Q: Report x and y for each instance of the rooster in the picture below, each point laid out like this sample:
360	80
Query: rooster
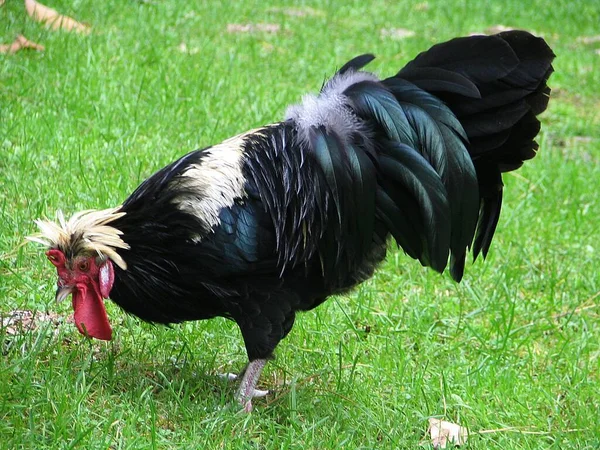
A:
275	220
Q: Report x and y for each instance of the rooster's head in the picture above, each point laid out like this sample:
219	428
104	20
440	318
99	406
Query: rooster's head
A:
83	250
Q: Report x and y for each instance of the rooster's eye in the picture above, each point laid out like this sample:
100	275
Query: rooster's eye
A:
83	266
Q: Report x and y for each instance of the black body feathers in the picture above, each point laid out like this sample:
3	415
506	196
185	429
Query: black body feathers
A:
275	220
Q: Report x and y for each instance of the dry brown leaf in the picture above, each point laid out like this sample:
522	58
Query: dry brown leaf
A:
22	321
253	27
396	33
441	432
20	42
2	2
52	19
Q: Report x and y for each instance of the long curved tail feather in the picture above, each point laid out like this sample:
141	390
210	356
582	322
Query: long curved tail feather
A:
425	149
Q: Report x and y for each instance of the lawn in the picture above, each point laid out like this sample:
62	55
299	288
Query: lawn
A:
512	353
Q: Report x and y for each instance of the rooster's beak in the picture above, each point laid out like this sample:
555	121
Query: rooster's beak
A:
64	292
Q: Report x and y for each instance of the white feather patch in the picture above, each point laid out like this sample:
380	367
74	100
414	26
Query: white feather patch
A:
331	108
216	182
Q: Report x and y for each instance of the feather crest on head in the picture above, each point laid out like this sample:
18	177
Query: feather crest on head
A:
86	231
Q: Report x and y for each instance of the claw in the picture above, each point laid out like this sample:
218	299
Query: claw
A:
260	393
228	376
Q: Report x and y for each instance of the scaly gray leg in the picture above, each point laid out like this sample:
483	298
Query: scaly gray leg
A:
247	389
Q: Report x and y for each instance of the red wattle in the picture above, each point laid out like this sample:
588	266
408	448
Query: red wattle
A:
90	315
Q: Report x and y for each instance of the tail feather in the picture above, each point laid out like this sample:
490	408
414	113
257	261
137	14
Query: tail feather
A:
401	164
405	228
356	64
500	122
459	175
423	151
496	121
374	103
413	117
436	79
480	59
489	211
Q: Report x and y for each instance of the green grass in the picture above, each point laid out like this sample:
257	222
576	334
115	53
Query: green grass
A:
514	348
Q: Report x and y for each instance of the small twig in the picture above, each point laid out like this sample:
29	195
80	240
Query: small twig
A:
583	307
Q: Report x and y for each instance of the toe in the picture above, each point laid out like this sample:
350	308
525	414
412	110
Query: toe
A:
260	393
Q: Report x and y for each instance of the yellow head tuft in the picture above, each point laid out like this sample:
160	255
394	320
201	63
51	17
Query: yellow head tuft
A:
85	232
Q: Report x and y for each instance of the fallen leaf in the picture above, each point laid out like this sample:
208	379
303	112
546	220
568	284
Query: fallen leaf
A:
2	2
396	33
22	321
253	28
20	42
52	19
441	432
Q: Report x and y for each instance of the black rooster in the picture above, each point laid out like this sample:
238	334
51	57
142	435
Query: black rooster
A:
277	219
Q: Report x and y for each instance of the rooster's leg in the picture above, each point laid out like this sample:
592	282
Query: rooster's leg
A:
234	377
247	389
